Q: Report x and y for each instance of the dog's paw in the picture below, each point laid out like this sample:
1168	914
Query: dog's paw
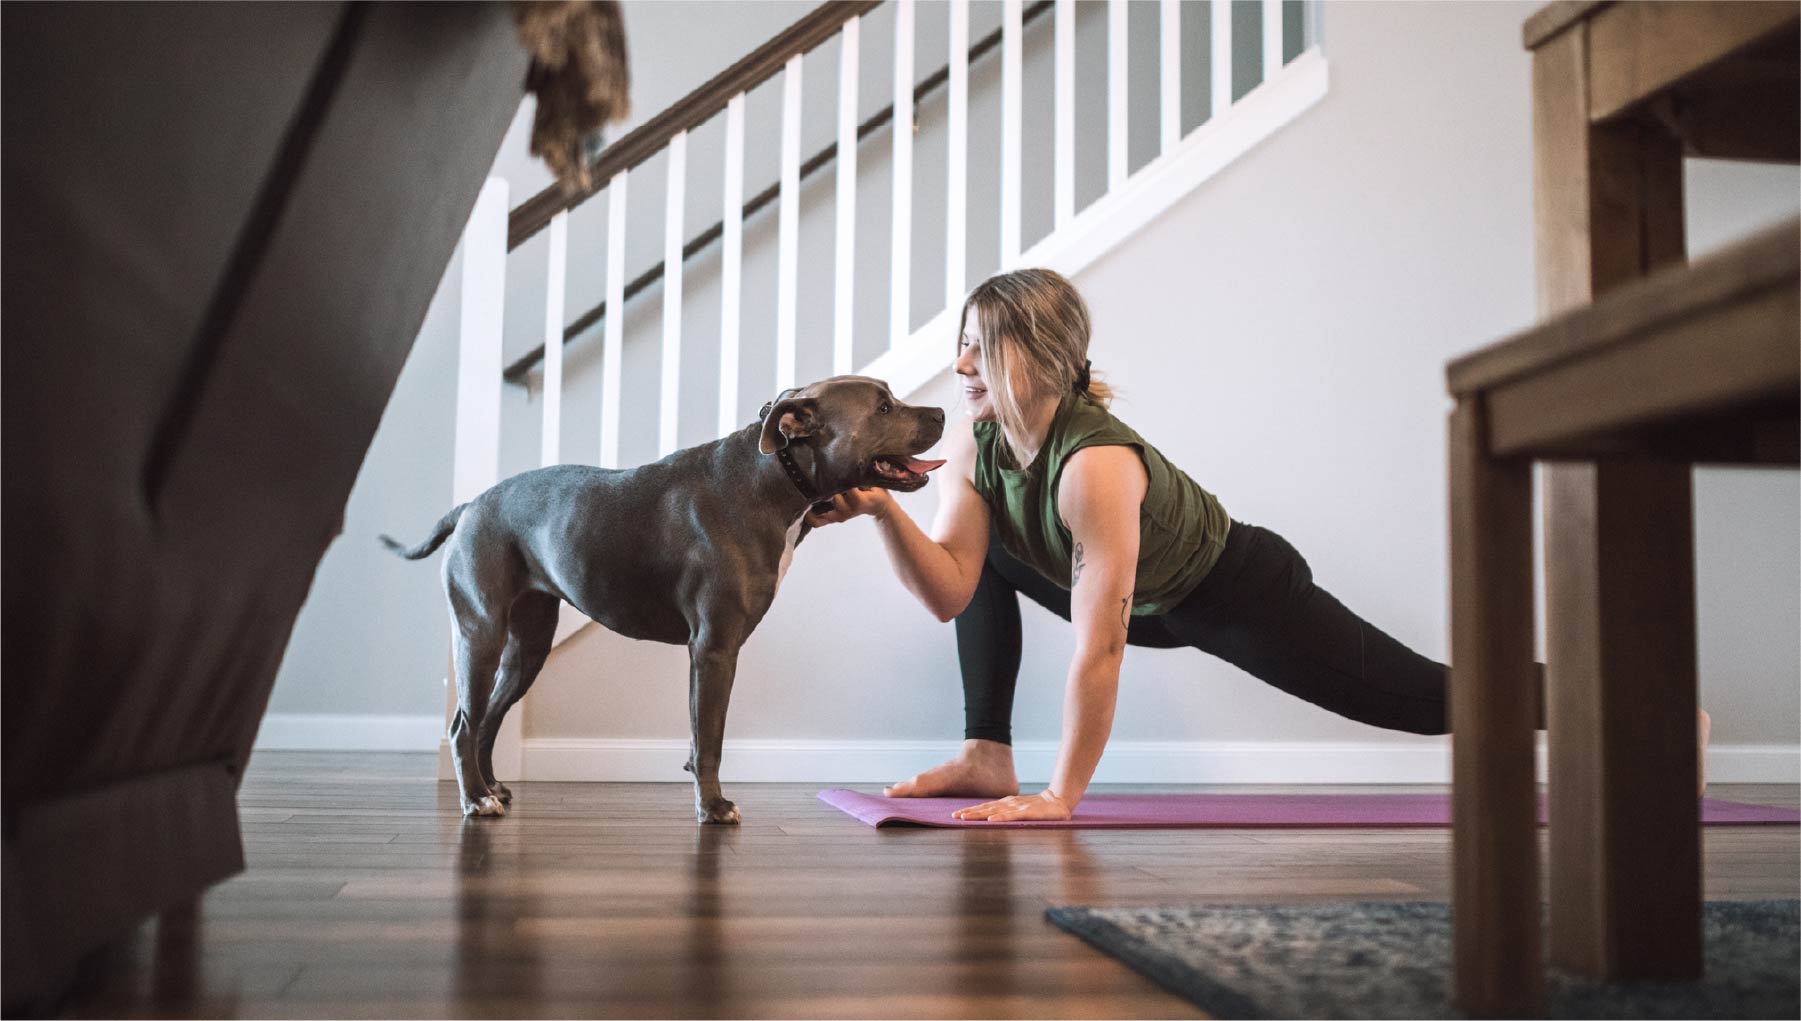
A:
718	811
501	791
485	806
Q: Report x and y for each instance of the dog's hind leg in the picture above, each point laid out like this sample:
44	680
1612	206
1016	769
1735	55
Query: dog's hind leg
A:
531	626
477	657
713	664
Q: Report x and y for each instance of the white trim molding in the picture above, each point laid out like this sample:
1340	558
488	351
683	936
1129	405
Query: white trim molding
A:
635	759
1418	761
350	732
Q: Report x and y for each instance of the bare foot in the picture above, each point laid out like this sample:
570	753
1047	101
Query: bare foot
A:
983	769
1703	727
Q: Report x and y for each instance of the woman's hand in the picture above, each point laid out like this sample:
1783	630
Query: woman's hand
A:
1044	805
873	501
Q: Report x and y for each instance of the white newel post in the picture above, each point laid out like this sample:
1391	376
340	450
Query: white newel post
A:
476	463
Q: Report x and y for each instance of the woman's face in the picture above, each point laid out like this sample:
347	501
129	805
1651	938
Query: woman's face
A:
969	367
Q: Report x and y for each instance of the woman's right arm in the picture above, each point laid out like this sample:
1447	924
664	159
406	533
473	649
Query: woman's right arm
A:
941	569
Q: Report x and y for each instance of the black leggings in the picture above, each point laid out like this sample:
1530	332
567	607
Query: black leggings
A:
1257	609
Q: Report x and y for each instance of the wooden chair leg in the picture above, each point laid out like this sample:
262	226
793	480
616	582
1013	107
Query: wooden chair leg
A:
1625	856
1495	898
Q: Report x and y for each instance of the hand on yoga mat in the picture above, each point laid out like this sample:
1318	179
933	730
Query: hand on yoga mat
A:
1020	806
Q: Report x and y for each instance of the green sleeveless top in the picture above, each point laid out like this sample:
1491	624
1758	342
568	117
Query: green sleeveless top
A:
1181	527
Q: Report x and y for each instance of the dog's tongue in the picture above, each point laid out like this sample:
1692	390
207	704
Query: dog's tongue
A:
914	464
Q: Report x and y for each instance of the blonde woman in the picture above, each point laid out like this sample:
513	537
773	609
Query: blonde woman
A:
1049	495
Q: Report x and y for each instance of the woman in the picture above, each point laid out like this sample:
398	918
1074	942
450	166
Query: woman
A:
1051	496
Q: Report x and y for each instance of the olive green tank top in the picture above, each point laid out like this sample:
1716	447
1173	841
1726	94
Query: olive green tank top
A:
1181	527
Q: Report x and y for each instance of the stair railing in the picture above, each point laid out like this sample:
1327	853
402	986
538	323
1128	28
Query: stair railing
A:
667	132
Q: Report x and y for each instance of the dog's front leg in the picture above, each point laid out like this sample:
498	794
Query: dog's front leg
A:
712	666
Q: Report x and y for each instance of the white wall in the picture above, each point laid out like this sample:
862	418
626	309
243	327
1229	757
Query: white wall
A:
1281	334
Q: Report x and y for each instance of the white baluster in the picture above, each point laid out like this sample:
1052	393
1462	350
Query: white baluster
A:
1064	89
475	457
1170	43
844	272
956	195
1011	87
674	200
1221	62
613	349
1272	38
731	265
901	261
788	227
1116	93
550	444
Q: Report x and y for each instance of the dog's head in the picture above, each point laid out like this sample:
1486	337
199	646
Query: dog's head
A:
860	433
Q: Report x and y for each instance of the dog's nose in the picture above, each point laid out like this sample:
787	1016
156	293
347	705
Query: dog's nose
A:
936	415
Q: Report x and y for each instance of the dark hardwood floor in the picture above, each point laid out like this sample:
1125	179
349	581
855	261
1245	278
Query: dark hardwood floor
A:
368	895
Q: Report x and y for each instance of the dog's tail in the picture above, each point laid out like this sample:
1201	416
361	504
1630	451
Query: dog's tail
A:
439	533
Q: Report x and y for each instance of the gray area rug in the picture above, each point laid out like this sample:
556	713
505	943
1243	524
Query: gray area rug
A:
1394	961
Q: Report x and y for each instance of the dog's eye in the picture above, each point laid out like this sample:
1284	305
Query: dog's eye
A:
883	408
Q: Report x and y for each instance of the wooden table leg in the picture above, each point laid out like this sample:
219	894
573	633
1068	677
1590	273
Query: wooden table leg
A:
1625	851
1494	708
1625	856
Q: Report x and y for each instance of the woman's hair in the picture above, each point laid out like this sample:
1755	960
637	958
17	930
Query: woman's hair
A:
1035	331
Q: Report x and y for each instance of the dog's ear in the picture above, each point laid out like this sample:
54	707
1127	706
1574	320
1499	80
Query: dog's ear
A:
788	420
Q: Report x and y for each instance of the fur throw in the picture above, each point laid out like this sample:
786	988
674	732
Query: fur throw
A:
580	77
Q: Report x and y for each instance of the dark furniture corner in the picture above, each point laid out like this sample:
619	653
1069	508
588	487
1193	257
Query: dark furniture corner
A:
224	223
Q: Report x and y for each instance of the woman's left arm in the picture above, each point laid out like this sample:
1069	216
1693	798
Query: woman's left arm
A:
1099	497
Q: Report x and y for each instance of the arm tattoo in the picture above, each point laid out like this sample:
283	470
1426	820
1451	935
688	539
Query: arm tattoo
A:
1077	575
1125	612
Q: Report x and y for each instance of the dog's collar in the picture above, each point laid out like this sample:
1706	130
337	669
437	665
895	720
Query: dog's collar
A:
786	456
796	476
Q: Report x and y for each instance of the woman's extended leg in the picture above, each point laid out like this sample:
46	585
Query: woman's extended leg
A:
988	651
1260	611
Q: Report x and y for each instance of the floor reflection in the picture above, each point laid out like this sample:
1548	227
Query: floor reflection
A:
709	985
986	919
493	955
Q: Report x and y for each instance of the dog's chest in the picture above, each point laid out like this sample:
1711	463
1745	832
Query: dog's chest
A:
788	542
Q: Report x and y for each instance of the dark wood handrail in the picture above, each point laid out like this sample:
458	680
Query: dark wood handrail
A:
688	112
526	362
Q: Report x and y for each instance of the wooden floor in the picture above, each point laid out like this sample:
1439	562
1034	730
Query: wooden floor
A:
367	895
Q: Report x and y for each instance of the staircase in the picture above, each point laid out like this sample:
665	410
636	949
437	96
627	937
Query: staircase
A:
1213	100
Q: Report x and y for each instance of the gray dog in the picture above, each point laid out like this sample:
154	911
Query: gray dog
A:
688	550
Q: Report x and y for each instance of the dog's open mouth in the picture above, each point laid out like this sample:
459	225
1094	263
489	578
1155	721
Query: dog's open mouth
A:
907	472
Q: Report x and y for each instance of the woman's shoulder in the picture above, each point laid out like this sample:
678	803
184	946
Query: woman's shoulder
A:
1088	422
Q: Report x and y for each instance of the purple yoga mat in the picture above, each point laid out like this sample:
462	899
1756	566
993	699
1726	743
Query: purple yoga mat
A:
1237	811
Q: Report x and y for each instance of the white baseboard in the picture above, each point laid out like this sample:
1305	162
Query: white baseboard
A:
360	732
1219	762
782	761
